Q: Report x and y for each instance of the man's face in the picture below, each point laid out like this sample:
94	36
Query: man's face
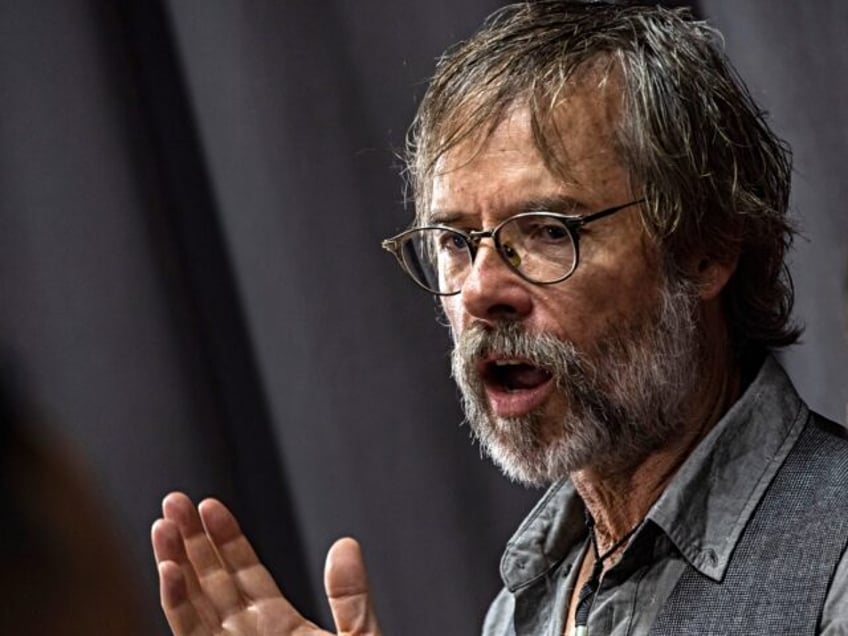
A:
552	376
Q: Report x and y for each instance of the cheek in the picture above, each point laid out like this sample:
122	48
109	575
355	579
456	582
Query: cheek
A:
568	315
586	306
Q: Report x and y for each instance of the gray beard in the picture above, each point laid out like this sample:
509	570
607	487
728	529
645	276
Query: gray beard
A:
624	399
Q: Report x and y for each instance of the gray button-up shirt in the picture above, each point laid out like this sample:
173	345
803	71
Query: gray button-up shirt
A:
696	523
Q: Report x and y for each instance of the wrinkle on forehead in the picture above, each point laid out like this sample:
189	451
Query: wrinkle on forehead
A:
572	134
589	102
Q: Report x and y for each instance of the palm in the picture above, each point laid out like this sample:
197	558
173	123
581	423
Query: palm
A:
213	584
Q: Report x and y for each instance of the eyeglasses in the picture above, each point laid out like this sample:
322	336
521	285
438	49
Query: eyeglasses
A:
541	247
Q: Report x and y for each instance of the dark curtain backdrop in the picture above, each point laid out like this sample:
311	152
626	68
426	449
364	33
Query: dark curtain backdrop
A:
193	294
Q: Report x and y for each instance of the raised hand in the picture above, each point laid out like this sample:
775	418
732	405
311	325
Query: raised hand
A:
213	584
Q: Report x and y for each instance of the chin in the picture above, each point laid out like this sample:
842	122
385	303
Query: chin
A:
525	456
539	449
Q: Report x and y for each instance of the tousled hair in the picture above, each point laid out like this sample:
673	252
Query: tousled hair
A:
714	177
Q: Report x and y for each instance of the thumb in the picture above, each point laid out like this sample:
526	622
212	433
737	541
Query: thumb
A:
347	589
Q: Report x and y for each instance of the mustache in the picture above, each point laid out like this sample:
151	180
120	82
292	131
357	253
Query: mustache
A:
479	341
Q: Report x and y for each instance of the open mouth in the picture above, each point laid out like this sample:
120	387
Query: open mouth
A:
514	387
511	375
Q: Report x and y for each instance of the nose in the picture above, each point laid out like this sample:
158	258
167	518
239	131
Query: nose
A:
493	292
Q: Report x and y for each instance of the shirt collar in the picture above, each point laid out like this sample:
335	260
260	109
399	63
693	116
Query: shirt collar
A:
711	499
545	536
707	504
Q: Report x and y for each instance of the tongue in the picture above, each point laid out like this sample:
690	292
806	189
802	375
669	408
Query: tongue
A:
523	376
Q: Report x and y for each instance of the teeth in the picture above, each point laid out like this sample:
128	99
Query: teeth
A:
506	363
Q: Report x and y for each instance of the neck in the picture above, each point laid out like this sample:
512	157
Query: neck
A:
619	499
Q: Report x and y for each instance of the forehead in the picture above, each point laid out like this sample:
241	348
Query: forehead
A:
578	157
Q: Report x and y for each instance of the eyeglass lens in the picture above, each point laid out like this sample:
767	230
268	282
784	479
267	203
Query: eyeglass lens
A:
540	247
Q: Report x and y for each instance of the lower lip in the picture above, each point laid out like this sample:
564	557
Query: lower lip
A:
517	403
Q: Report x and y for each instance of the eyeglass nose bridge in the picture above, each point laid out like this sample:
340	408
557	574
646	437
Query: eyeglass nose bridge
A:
509	257
475	236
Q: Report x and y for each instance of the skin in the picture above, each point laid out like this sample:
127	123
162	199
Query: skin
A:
212	583
211	580
618	275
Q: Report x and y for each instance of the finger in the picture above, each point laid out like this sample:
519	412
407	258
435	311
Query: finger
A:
168	546
215	580
252	578
182	615
346	584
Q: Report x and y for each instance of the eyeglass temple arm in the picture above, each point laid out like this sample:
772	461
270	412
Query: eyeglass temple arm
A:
583	220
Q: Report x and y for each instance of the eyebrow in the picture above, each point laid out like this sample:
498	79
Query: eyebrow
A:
561	204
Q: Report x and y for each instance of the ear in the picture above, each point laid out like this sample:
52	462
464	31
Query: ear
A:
712	275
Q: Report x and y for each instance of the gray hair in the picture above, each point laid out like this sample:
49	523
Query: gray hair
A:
715	178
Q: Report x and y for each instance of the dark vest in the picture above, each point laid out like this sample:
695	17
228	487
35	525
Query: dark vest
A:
778	576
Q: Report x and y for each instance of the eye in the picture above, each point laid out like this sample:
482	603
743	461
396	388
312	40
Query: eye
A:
450	242
547	230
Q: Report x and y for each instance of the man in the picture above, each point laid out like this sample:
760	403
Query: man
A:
602	210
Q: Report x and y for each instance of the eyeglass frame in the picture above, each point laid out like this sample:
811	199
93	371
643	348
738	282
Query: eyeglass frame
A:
571	223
